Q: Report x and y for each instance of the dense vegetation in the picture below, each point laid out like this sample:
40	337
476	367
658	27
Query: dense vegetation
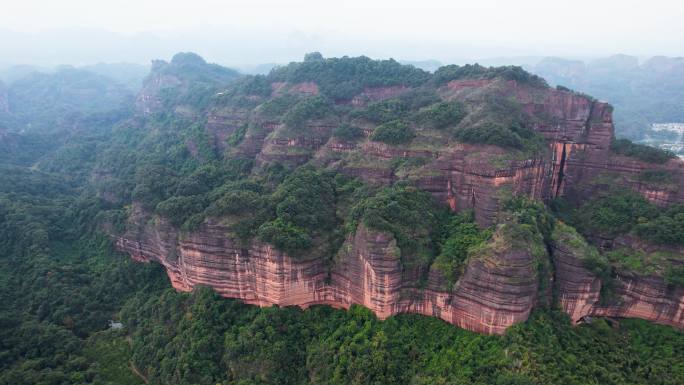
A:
195	81
475	71
393	132
342	78
59	299
623	211
423	108
309	108
214	340
441	115
66	99
25	149
411	216
513	136
641	151
666	228
461	235
347	132
305	208
384	111
61	282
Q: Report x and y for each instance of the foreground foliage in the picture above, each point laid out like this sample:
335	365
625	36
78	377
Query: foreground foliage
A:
61	282
59	296
621	211
210	340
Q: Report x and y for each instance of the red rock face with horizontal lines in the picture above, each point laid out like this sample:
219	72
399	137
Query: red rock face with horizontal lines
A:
493	293
635	296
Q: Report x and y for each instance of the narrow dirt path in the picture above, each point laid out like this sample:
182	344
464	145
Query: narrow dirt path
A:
137	373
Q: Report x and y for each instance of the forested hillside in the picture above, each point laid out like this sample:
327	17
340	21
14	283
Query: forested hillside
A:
184	157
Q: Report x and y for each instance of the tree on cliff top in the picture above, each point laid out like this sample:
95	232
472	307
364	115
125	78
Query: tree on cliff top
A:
641	151
451	72
342	78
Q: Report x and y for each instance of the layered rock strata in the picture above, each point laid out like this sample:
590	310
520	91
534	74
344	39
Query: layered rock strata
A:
577	129
494	292
645	296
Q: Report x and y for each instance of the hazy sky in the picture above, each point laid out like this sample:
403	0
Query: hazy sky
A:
256	31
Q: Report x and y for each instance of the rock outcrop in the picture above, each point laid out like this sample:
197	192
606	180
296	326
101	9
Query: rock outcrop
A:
183	71
498	288
149	98
632	295
578	131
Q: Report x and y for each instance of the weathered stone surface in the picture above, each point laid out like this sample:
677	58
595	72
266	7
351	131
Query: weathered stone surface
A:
303	89
222	123
495	291
466	177
148	99
635	295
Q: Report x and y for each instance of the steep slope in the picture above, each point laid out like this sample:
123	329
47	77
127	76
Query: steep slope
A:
67	100
583	291
224	201
183	83
643	93
499	287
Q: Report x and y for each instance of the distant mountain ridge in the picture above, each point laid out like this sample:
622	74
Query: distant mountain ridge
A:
642	93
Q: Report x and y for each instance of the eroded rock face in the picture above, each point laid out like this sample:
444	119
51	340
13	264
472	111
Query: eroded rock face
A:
149	100
578	131
596	173
295	146
466	180
302	89
222	123
495	291
634	295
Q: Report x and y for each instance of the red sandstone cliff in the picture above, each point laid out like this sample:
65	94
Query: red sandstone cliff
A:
633	295
497	289
149	99
578	131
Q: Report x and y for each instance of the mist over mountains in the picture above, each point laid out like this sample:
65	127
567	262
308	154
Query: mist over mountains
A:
643	90
325	192
344	182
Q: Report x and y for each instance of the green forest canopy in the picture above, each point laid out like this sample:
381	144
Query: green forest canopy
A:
61	281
